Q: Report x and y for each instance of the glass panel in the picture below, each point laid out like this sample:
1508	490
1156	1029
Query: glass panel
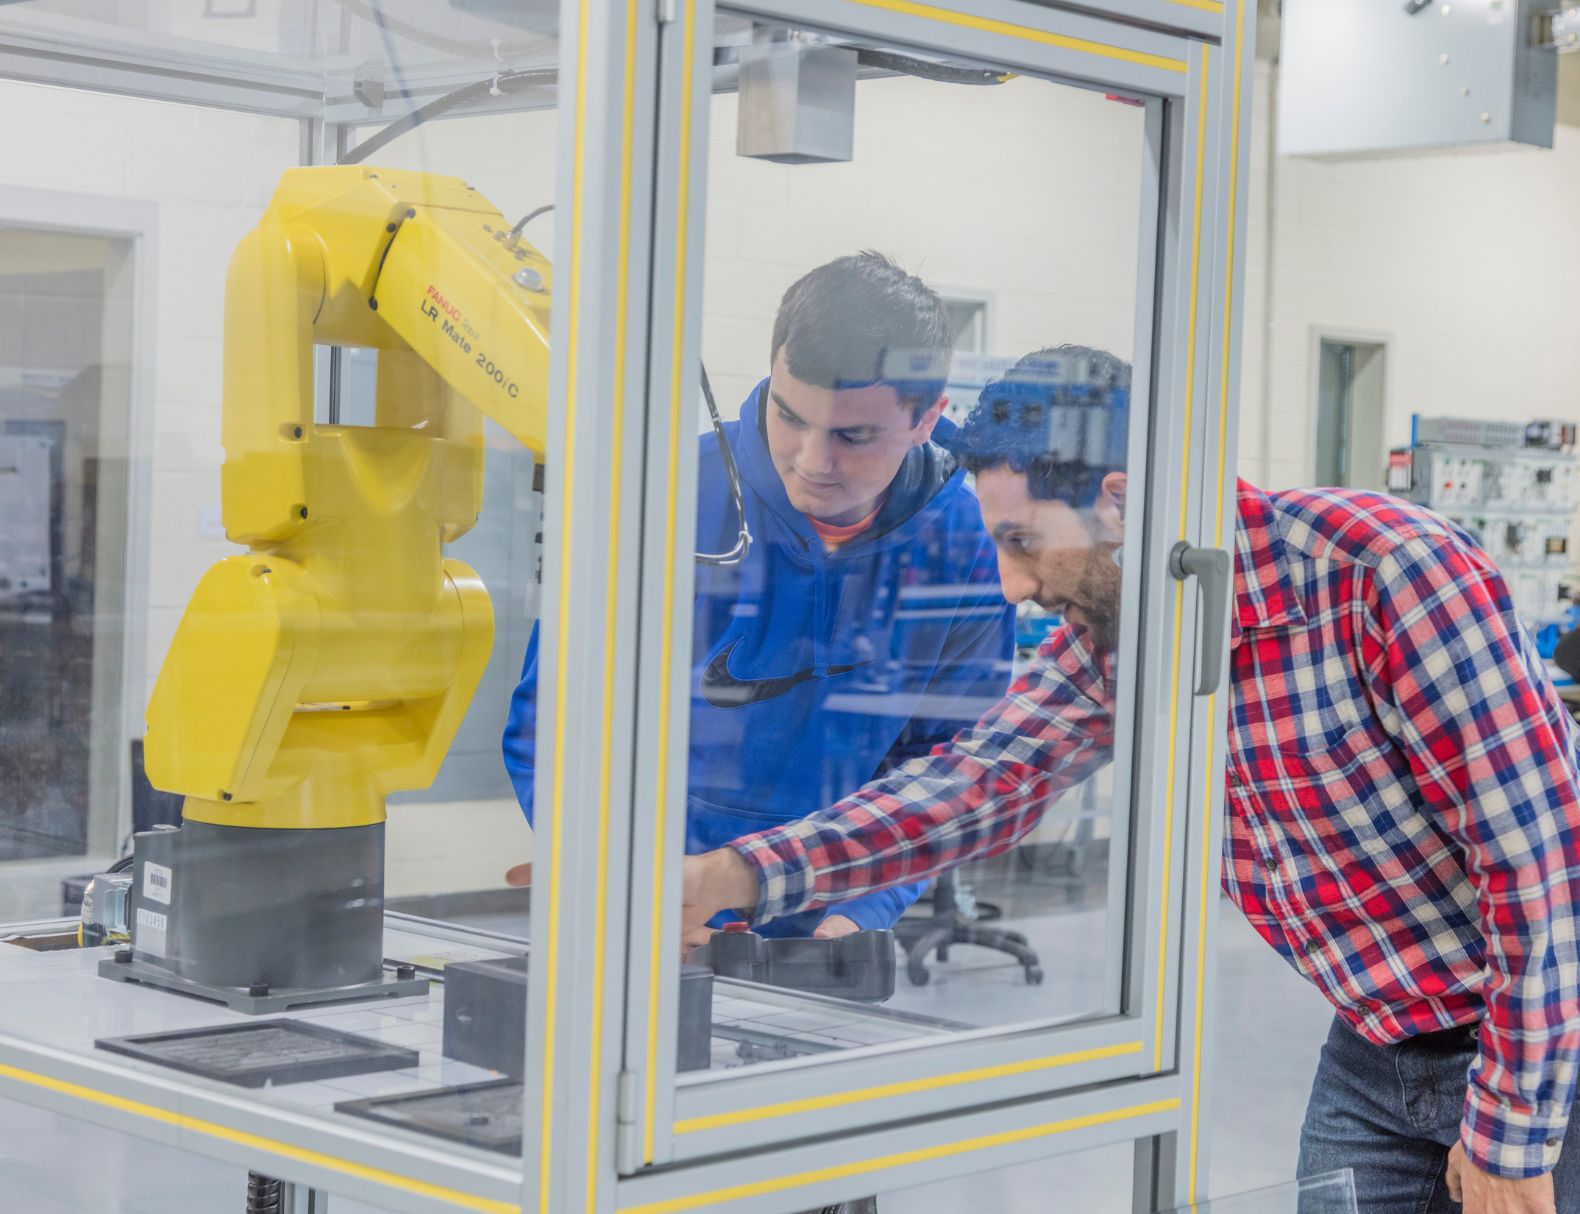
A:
862	200
388	37
65	338
319	543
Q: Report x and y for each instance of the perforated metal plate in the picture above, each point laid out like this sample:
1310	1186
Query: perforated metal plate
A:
266	1051
486	1114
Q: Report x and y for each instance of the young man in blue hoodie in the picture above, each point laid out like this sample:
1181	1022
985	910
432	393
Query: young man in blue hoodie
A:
865	622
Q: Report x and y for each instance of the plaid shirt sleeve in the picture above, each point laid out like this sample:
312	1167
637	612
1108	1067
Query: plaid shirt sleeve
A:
973	796
1457	682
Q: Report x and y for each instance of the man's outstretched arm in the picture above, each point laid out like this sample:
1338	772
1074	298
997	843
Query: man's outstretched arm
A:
974	796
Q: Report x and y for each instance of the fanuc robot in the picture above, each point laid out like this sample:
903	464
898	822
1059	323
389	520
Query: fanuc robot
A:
331	663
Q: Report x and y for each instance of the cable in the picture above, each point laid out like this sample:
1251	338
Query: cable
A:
503	83
389	50
507	82
743	544
925	69
529	217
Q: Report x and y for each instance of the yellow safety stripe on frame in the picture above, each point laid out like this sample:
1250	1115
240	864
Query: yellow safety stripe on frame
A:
611	614
1223	440
905	1088
557	800
922	1155
1206	6
211	1129
1179	588
666	644
1026	33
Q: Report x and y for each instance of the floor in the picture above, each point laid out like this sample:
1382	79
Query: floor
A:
1274	1020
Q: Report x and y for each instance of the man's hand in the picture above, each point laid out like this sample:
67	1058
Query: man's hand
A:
715	881
1482	1193
835	926
694	939
521	874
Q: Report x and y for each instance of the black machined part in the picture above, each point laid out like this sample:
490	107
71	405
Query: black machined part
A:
859	967
264	1051
485	1015
763	1045
695	1048
486	1114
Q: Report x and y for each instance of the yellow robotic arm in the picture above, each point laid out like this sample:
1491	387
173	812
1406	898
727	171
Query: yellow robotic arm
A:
331	663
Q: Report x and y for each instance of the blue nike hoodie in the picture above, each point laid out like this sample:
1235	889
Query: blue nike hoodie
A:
814	671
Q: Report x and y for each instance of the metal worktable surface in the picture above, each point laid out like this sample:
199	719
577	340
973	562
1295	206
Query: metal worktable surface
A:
53	1006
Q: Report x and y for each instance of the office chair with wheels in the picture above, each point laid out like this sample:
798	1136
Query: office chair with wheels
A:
946	927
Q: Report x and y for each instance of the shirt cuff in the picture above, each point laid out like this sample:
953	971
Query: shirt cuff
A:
1510	1140
785	878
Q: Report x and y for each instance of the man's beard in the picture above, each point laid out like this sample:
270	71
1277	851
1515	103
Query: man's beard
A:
1097	596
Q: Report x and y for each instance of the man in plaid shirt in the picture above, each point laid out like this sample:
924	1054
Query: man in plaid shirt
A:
1403	811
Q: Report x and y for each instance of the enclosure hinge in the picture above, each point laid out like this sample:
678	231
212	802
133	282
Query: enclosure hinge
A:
628	1158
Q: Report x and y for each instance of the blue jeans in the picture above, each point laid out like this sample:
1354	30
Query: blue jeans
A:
1391	1112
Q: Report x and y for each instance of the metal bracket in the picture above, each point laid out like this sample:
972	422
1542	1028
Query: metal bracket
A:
1213	570
668	12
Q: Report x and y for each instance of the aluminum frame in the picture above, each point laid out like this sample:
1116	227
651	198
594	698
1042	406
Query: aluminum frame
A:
705	1106
622	476
1018	1060
1193	18
1231	116
598	430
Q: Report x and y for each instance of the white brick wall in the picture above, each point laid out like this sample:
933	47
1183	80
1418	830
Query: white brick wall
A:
1027	193
1466	261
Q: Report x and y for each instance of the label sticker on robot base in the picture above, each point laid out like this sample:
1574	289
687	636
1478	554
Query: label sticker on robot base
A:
150	937
157	882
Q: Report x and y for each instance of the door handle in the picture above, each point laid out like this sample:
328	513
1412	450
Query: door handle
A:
1214	573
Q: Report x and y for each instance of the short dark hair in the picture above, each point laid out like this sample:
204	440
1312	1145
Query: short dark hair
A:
1060	416
861	320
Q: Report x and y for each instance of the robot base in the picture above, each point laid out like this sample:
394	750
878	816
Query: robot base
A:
260	919
239	999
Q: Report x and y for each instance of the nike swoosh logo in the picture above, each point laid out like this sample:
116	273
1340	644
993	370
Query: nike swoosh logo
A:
723	690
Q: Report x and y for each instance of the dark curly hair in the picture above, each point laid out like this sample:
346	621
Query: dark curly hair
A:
1060	416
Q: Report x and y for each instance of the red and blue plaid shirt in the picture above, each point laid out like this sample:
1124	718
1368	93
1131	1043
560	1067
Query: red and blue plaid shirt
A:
1403	818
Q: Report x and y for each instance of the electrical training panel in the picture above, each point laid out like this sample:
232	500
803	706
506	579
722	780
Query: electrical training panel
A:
1514	487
